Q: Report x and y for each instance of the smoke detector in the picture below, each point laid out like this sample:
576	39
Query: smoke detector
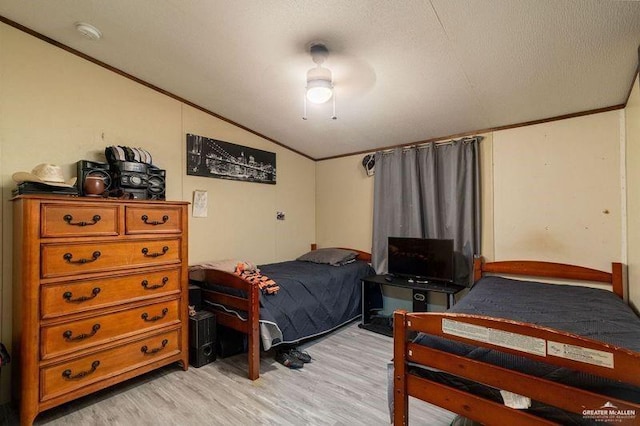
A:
88	30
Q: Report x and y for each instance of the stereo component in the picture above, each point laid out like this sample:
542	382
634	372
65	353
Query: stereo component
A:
202	338
156	183
135	194
127	174
140	180
202	355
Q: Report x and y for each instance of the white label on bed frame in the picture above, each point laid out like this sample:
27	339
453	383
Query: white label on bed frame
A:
580	354
513	400
506	339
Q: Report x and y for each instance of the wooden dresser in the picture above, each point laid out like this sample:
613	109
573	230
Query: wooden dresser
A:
100	294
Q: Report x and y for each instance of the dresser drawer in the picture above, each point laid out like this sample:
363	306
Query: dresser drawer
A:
62	220
152	219
63	338
82	258
78	296
66	377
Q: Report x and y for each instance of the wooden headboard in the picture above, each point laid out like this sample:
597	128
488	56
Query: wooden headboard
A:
532	268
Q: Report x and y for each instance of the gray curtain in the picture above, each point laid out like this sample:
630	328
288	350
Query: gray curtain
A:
430	191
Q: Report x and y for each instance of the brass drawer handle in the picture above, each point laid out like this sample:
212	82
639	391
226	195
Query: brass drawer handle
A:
68	218
146	220
146	285
67	334
67	296
68	256
67	373
145	252
145	316
148	351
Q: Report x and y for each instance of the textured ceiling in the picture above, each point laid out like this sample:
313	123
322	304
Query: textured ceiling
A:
404	70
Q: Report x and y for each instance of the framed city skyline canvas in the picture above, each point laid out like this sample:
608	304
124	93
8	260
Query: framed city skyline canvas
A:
224	160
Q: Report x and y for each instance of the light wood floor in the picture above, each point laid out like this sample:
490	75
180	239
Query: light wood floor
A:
346	384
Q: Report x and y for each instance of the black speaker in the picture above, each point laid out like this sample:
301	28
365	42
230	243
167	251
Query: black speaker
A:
202	338
420	301
86	168
202	355
156	183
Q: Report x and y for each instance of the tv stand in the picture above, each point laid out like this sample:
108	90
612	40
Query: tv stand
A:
420	289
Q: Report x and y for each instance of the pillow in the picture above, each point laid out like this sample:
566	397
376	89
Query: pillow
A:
196	272
329	256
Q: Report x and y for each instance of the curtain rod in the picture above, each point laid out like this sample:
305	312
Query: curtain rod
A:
436	144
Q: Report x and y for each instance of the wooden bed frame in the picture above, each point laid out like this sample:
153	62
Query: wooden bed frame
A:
572	399
250	304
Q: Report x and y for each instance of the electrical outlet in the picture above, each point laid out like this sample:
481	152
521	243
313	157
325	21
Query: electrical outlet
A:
280	215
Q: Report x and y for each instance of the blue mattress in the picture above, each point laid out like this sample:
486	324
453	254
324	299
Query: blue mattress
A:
593	313
313	299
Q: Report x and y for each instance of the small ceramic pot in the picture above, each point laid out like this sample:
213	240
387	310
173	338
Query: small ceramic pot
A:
93	186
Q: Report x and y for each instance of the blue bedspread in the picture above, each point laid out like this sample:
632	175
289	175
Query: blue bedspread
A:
313	299
588	312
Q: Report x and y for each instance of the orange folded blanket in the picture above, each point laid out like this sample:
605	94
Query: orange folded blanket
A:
266	284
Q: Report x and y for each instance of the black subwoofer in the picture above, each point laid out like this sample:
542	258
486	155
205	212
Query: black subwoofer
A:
202	338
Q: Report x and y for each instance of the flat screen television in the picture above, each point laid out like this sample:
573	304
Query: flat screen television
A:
421	258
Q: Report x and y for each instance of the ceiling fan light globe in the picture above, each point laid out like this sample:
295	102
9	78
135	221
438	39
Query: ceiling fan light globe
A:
319	91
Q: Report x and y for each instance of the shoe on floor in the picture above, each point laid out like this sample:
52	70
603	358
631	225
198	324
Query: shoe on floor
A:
288	360
301	356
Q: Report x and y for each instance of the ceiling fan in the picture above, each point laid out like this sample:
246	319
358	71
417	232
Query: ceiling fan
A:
319	80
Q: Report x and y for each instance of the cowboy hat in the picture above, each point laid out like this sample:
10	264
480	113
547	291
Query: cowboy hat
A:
49	174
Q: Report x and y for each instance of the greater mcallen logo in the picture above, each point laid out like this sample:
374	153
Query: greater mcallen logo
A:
609	413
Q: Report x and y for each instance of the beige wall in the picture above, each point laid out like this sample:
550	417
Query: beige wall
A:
632	131
56	107
344	200
558	191
241	215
